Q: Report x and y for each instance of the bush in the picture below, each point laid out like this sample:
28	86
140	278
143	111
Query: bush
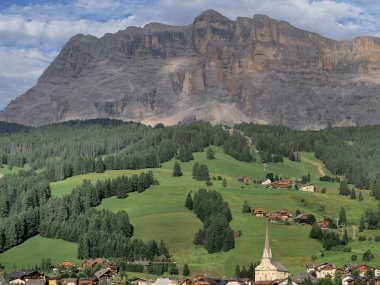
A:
377	238
362	238
354	257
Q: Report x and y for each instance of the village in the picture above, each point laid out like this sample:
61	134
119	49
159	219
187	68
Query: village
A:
268	272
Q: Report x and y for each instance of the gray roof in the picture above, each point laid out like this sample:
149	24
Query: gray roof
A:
35	282
21	274
303	276
101	272
279	265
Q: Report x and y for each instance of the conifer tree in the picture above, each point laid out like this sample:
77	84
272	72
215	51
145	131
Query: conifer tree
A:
189	202
361	224
210	153
186	270
177	171
246	207
342	216
353	194
195	170
224	183
345	238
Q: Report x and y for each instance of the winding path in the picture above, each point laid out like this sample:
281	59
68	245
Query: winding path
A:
320	169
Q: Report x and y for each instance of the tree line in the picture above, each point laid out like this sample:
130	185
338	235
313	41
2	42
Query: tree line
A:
348	151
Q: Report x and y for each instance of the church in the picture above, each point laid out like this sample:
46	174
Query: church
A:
269	269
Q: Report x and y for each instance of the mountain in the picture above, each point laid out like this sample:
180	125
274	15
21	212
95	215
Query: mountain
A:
252	69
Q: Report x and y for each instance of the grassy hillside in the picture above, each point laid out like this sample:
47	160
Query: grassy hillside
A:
35	249
159	213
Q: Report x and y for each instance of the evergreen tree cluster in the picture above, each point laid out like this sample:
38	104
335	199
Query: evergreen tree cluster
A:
329	239
200	172
244	272
237	146
215	213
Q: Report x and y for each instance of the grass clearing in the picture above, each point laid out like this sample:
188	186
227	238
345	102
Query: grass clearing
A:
31	252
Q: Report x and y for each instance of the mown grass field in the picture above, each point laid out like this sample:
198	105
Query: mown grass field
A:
159	213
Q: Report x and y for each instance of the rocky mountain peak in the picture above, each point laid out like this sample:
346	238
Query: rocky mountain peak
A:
251	69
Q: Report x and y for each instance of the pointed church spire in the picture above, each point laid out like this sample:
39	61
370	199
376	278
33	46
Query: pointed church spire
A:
267	251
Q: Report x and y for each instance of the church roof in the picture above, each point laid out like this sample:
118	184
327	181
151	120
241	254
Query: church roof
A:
280	267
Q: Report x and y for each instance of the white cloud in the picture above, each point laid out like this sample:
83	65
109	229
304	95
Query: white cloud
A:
41	30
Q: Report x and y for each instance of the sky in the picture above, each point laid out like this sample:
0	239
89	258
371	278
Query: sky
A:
32	32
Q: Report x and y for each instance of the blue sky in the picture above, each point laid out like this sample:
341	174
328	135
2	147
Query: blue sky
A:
32	32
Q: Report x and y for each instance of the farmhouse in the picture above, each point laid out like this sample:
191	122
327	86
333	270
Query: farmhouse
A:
273	217
307	188
245	179
69	281
104	274
23	276
300	278
266	181
284	214
284	183
323	270
269	269
88	281
66	264
377	271
302	219
259	212
361	268
140	281
324	224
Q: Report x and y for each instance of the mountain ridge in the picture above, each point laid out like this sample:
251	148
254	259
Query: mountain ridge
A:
252	69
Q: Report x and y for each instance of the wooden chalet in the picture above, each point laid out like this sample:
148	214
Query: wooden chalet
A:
36	282
324	224
361	268
302	219
342	273
284	214
259	212
140	281
186	282
66	264
273	217
69	281
53	280
306	188
323	270
285	183
88	281
27	275
104	274
245	179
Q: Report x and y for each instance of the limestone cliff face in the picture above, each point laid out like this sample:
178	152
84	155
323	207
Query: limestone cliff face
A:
252	69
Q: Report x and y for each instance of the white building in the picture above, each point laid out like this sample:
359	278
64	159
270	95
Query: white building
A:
269	269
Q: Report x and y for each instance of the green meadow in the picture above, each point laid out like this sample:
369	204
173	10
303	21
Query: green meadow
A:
35	249
159	213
